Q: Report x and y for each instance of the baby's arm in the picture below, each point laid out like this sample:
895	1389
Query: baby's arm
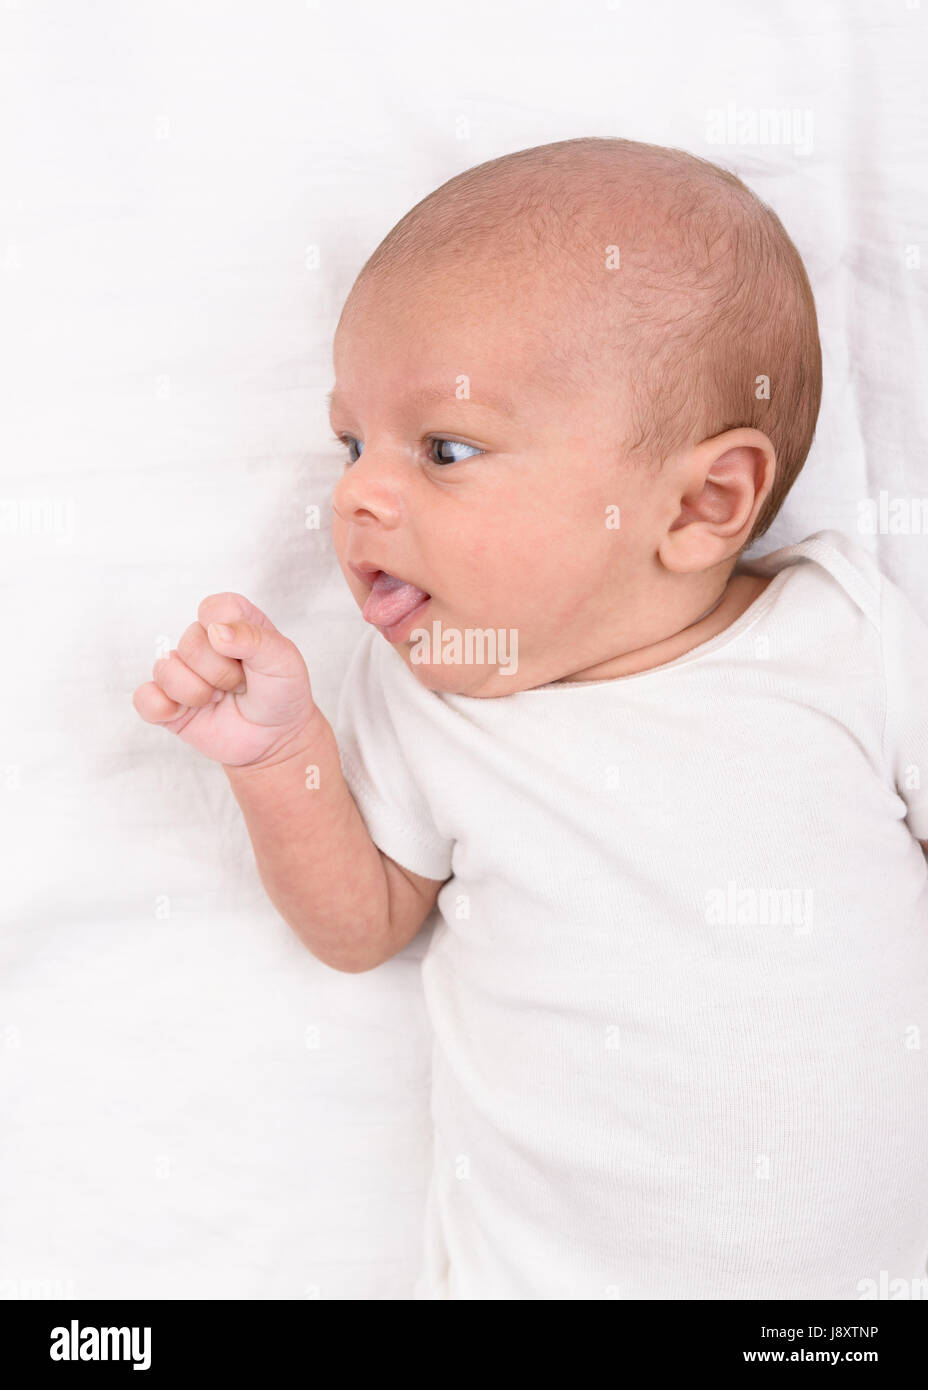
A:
347	901
245	701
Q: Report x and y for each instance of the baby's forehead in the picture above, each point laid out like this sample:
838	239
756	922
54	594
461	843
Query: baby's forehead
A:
500	292
478	336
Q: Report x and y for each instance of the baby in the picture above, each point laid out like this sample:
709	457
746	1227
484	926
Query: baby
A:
667	801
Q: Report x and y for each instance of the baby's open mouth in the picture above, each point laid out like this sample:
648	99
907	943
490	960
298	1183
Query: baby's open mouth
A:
391	599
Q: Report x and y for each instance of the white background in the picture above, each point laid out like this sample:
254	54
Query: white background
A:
192	1106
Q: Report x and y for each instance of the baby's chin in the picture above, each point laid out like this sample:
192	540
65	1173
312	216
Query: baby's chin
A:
447	678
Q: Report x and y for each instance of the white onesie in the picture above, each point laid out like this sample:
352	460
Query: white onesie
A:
678	979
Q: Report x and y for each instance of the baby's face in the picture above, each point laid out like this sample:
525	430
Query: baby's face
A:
473	475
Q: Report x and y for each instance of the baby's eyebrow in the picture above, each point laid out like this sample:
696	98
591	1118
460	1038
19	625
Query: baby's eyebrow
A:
496	401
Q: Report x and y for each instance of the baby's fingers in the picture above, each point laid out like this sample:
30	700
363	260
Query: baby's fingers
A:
181	684
196	650
155	707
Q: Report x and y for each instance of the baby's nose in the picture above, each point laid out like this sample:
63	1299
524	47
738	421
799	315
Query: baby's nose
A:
369	492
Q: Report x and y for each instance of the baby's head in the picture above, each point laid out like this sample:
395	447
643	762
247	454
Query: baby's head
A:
575	383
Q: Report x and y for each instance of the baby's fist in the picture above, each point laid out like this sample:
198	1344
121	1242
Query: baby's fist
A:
234	688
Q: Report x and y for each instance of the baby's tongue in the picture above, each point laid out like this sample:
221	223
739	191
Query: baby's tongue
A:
390	600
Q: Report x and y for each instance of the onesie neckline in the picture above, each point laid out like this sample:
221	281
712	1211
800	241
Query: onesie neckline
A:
745	620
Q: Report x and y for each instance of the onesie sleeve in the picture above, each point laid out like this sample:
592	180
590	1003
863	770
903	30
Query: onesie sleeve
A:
378	718
904	637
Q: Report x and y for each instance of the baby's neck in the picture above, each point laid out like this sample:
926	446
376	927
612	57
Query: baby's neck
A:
738	595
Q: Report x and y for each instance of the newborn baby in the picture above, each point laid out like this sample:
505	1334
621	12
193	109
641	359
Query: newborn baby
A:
666	801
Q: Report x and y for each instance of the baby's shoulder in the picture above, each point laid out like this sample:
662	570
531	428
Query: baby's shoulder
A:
851	564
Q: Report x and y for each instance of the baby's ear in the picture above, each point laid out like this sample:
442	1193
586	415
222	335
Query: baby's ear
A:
722	485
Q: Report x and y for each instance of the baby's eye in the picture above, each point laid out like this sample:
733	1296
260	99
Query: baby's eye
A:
454	444
348	440
355	448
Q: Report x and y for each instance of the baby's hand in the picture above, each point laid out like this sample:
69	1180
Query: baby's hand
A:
241	699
